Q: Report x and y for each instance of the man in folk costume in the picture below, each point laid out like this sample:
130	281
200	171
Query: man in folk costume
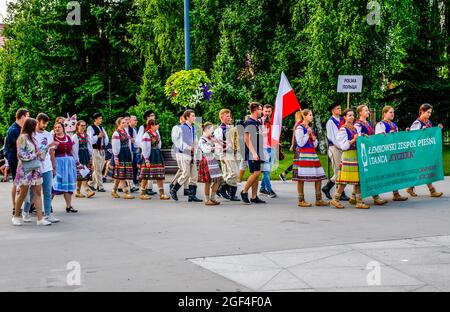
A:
226	150
334	152
99	138
188	163
177	141
388	126
133	135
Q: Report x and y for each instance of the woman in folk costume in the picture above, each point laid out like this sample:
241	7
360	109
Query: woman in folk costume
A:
121	166
209	171
388	126
423	122
65	180
365	128
152	164
348	169
307	167
82	152
298	119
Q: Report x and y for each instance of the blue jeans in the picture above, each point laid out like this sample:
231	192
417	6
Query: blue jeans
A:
47	183
265	182
266	167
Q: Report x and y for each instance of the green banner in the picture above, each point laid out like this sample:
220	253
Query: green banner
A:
396	161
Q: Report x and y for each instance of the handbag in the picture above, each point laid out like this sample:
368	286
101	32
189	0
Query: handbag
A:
31	165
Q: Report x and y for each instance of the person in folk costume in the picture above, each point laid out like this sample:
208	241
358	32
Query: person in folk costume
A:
226	148
334	152
188	164
348	169
423	122
133	183
298	118
307	167
121	166
65	180
209	171
388	126
177	141
148	115
82	152
365	128
99	138
152	165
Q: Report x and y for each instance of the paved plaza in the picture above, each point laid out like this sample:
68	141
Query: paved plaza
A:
155	245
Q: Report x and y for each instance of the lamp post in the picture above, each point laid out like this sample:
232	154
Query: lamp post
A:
187	40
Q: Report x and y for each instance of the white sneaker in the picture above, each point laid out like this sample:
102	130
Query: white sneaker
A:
17	221
43	221
51	218
26	217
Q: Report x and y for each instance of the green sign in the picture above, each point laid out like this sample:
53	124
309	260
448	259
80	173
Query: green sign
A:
396	161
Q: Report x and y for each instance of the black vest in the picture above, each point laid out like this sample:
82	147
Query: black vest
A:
99	144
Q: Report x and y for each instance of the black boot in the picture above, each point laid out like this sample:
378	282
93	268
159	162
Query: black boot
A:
223	191
327	188
344	197
193	193
174	190
186	192
233	191
170	186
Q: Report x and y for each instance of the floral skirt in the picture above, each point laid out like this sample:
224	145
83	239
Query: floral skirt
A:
121	170
26	179
209	171
156	171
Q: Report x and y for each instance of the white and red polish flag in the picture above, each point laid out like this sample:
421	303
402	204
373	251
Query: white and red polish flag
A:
285	105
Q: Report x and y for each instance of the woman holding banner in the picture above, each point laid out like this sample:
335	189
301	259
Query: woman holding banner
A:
388	126
307	167
365	127
348	169
423	122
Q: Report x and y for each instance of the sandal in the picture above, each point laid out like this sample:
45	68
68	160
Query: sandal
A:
70	209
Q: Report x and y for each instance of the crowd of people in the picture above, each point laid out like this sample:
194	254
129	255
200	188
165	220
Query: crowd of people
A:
45	164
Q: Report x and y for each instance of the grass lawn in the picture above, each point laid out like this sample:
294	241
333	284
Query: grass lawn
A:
274	176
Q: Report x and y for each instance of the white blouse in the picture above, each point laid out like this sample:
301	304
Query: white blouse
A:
115	143
302	138
342	139
146	145
76	146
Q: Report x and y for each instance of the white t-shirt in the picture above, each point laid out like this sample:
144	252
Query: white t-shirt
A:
44	139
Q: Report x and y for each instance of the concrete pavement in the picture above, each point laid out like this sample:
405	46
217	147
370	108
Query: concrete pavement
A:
134	245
